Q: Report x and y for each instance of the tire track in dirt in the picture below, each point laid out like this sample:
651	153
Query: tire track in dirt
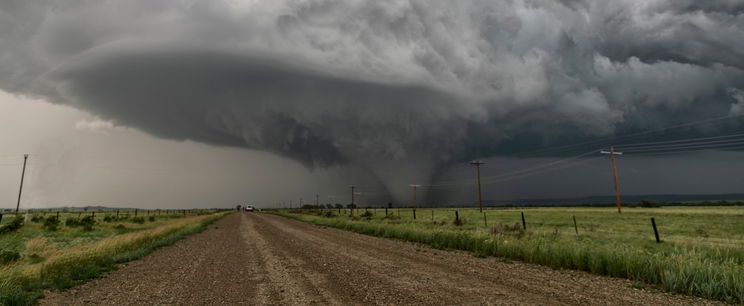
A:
257	259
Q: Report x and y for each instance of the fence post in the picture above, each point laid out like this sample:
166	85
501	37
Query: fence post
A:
576	227
485	221
457	217
656	232
524	224
432	215
386	211
1	218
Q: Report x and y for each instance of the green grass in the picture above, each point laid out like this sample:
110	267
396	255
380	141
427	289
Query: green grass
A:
73	254
701	254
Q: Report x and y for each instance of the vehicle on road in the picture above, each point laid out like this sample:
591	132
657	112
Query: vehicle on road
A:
249	208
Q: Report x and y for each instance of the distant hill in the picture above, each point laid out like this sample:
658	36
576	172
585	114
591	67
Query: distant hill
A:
597	200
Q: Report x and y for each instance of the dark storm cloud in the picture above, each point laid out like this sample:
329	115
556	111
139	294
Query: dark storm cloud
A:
382	85
259	102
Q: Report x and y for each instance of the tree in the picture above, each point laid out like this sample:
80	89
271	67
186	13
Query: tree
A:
237	207
351	206
339	206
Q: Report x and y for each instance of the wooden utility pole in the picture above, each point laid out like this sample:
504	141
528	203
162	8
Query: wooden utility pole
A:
352	200
477	164
414	199
20	191
612	154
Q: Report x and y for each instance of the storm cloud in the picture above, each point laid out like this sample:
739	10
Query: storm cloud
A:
400	88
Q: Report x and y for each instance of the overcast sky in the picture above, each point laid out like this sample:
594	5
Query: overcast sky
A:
213	103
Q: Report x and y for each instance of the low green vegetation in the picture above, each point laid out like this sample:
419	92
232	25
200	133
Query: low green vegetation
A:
701	250
57	251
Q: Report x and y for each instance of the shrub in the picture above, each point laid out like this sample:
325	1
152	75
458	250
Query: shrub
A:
13	226
391	217
72	222
37	219
109	218
87	223
138	220
35	258
499	228
648	204
366	214
8	256
152	219
51	223
329	214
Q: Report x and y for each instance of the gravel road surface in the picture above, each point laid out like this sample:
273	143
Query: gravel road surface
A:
257	259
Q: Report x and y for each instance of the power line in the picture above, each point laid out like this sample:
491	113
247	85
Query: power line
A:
730	148
513	173
643	144
627	136
702	146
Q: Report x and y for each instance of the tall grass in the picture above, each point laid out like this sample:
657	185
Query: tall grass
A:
21	284
710	272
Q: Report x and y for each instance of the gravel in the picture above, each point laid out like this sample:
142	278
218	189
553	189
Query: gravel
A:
258	259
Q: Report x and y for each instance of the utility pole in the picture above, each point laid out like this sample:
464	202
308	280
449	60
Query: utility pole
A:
414	186
20	191
477	164
612	154
352	200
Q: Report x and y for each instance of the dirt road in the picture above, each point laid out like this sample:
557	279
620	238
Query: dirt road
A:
258	259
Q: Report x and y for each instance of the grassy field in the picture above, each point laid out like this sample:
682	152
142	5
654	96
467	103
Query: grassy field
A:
49	254
701	253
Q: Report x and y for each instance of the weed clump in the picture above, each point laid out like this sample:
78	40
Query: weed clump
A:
37	219
72	222
35	258
13	226
515	228
8	256
138	220
87	223
391	217
329	214
152	219
366	214
51	223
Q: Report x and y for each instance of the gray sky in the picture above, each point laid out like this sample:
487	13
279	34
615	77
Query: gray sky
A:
210	103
